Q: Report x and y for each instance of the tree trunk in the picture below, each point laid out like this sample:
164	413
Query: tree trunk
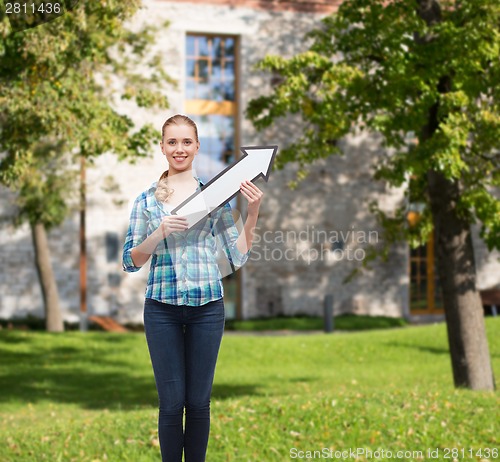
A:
470	357
53	317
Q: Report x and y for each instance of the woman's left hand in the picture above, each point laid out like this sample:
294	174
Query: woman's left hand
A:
253	195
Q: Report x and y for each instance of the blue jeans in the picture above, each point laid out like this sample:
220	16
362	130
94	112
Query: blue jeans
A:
183	344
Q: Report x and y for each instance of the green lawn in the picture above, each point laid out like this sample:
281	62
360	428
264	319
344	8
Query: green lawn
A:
300	322
341	322
91	397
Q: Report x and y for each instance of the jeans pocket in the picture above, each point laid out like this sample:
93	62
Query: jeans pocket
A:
154	311
211	316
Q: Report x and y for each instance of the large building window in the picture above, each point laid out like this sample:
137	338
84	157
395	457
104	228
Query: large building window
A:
425	294
425	289
211	101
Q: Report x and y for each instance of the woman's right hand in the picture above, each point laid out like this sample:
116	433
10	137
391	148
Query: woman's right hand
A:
172	223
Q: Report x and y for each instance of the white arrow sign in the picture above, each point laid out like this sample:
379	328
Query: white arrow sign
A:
256	162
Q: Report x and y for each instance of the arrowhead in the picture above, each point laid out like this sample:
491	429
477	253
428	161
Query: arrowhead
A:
260	159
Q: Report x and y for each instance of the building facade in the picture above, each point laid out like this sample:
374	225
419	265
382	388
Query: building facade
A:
308	239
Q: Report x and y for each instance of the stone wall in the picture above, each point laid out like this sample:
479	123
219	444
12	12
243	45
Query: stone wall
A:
311	238
305	258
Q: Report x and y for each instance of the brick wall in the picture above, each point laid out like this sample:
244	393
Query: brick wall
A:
309	6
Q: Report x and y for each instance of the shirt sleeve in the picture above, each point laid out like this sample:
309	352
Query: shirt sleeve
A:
227	234
136	233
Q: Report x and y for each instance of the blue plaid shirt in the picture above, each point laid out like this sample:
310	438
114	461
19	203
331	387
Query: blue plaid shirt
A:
184	267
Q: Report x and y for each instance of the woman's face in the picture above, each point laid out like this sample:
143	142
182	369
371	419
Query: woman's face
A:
179	146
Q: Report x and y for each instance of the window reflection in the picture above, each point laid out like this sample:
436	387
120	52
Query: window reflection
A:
216	144
210	68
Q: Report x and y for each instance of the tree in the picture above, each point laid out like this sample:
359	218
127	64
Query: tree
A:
58	93
407	69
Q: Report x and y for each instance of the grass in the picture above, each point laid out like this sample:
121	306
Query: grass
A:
348	322
91	397
301	322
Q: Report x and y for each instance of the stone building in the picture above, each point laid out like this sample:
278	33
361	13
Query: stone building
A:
309	239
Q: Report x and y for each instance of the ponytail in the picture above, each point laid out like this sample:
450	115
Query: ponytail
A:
163	191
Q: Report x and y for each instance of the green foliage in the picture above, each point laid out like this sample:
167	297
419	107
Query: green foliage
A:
59	85
45	194
380	67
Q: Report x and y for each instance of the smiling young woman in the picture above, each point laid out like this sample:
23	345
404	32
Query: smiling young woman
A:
184	307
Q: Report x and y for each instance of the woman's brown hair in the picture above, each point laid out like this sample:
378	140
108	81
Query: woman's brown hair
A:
179	119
